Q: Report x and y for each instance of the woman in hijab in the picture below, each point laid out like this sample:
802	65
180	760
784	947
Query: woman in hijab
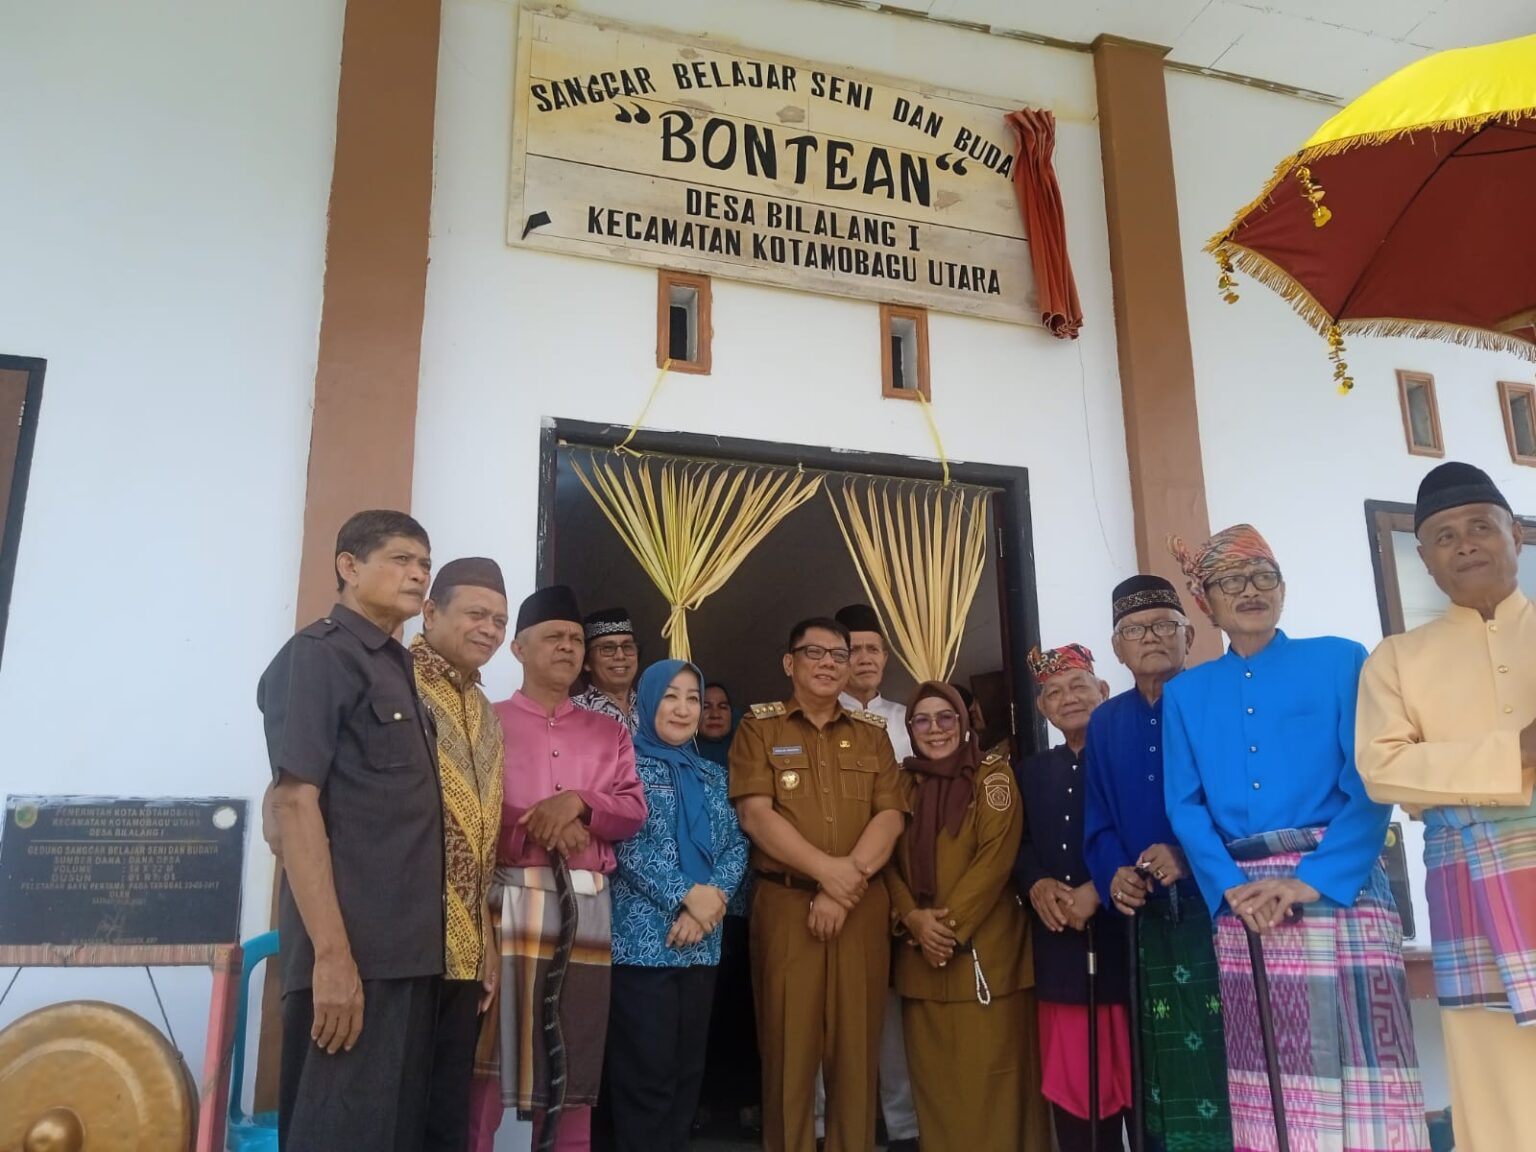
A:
670	891
962	971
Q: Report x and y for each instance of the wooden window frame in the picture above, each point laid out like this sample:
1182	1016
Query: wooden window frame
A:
20	466
666	280
1405	380
919	317
1507	391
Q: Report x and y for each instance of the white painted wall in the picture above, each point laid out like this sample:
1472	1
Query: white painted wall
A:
1282	449
167	171
514	337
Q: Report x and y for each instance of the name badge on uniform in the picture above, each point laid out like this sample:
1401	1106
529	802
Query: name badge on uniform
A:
788	750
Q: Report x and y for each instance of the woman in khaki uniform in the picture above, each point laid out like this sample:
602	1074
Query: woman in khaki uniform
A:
962	973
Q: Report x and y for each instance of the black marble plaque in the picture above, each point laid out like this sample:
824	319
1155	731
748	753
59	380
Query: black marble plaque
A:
89	870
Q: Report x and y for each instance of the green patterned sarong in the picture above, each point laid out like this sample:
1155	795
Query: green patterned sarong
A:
1183	1053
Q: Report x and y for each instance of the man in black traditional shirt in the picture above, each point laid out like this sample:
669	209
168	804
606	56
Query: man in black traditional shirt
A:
359	812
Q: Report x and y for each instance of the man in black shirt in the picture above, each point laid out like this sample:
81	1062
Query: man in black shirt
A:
358	810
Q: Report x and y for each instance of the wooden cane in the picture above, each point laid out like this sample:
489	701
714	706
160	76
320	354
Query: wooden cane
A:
1093	1040
1138	1098
1267	1031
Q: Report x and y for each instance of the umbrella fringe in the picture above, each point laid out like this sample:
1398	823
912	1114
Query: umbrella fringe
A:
1284	285
1286	169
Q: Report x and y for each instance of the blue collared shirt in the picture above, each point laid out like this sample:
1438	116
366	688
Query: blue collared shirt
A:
649	884
1268	742
1124	813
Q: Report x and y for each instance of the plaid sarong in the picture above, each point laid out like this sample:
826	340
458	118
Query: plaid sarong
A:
1183	1051
1339	997
1482	915
511	1036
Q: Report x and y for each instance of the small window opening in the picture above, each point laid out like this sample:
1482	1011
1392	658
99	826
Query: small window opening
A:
904	352
1519	404
683	322
1421	413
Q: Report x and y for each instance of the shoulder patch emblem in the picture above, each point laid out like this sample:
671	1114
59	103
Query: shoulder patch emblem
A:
869	718
767	711
999	791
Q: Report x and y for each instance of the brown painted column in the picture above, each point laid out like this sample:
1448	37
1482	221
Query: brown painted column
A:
362	440
1157	369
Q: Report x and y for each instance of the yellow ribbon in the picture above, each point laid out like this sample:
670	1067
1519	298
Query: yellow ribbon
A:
666	366
933	430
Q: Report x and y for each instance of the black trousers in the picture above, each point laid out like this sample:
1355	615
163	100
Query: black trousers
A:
1074	1134
453	1066
374	1096
733	1078
658	1033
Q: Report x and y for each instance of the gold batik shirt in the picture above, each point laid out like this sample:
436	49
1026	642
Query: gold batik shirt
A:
470	754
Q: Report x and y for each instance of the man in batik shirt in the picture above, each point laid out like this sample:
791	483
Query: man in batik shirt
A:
612	664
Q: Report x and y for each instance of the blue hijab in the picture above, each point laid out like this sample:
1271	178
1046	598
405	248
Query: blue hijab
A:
695	838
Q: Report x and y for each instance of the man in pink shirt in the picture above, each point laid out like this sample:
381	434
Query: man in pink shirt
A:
571	792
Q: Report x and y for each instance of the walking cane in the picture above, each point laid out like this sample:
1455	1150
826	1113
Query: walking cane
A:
1138	1098
1093	1040
1267	1031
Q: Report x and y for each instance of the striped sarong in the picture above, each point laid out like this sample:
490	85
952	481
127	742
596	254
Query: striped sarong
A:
1183	1050
511	1037
1339	996
1482	915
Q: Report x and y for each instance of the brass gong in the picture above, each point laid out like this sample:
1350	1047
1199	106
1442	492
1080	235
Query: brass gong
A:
92	1077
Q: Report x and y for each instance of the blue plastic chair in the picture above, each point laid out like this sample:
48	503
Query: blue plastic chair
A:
258	1132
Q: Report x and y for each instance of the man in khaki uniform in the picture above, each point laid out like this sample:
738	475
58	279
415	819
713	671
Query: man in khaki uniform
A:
817	791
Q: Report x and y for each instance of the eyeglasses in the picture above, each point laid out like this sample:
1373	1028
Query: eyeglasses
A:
943	721
1162	629
815	653
1264	580
625	648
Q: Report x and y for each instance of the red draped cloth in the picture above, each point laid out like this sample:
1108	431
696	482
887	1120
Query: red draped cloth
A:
1039	196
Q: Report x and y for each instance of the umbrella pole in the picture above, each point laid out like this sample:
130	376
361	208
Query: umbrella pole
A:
1093	1040
1267	1031
1138	1097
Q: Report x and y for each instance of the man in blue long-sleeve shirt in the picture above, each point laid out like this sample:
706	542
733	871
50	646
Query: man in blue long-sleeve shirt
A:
1139	868
1263	794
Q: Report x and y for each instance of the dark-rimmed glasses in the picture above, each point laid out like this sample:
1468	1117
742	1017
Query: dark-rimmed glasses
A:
943	721
1162	629
1264	580
612	648
815	653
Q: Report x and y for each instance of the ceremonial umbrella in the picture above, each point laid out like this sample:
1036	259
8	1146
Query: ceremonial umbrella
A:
1429	225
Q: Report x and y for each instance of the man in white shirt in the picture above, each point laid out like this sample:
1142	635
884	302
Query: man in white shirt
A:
866	669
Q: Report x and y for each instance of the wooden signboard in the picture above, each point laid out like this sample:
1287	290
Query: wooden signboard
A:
645	147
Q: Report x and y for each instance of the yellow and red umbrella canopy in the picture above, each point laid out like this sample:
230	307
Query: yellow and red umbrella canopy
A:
1412	212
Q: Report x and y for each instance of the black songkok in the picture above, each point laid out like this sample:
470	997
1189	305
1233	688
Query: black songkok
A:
557	602
608	622
1142	592
1455	485
859	618
468	572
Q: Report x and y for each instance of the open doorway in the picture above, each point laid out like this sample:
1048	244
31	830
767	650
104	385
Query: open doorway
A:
802	568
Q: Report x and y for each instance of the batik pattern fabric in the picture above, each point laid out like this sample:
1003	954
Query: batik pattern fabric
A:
511	1044
470	753
596	700
1339	998
650	885
1183	1047
1481	887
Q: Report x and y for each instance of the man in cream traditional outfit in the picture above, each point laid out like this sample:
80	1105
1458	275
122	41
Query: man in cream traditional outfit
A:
1447	728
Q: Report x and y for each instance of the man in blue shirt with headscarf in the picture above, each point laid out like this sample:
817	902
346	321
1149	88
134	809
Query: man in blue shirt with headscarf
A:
1139	870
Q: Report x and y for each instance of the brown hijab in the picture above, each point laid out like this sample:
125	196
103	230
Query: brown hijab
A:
944	790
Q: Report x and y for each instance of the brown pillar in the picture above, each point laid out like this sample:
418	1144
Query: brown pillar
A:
1157	370
362	439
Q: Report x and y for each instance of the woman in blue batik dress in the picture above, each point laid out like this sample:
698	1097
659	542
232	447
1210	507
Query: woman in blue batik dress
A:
670	892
